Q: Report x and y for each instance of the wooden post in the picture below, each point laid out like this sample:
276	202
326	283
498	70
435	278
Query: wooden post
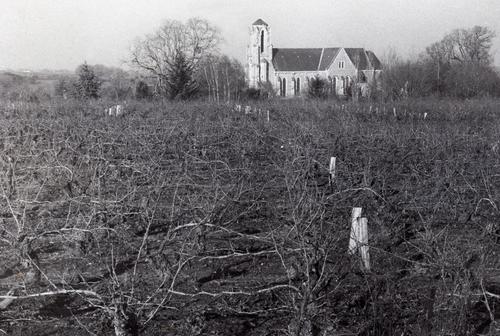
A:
353	240
370	109
363	242
394	111
359	237
6	302
267	115
333	159
425	115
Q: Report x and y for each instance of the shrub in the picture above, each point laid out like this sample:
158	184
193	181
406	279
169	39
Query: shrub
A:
317	87
253	93
142	90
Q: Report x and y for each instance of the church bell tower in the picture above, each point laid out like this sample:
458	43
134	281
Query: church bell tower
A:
259	54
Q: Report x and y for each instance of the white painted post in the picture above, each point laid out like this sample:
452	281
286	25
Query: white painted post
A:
359	237
370	109
6	302
363	242
354	238
331	169
425	115
267	115
394	111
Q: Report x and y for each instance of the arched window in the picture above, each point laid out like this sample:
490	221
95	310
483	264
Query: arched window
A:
348	85
267	71
281	86
294	86
298	86
284	87
334	84
262	41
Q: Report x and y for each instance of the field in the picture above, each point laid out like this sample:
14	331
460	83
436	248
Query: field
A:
195	219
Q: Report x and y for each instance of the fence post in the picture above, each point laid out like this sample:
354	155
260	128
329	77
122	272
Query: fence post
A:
331	169
267	115
363	241
354	237
358	240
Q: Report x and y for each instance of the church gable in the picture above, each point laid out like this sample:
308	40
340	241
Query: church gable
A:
329	54
342	64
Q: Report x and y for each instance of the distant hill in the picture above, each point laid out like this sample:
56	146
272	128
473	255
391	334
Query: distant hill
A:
7	76
18	83
117	83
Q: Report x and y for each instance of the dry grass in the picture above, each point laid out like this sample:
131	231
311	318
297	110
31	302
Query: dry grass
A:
242	209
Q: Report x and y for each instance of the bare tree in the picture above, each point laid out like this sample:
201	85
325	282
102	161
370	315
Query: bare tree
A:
195	39
222	77
464	45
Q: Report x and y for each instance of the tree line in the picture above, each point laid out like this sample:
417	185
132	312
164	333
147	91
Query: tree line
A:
182	60
459	65
179	61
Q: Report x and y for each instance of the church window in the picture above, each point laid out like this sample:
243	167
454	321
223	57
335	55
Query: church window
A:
298	86
267	72
283	93
341	65
262	42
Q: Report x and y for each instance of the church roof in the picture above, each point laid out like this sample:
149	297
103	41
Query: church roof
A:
320	59
303	59
363	59
374	61
293	59
259	22
358	57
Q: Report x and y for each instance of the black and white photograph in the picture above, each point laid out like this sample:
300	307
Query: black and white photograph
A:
249	168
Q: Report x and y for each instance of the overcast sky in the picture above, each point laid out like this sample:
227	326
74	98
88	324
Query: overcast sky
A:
61	34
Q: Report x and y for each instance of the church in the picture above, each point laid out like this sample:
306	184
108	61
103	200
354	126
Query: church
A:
288	70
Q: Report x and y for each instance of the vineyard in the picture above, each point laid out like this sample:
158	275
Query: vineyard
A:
197	219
